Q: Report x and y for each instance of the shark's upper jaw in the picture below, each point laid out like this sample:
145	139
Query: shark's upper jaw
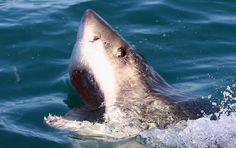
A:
91	69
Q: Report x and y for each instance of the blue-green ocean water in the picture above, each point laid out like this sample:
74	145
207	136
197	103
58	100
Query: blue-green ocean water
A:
192	44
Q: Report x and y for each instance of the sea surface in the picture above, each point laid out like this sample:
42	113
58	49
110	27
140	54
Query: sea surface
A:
191	43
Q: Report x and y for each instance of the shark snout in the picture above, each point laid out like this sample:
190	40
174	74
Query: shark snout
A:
90	26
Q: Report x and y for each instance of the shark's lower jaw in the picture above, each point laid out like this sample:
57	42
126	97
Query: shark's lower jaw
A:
109	131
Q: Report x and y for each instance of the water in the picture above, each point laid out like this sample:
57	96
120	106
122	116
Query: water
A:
191	44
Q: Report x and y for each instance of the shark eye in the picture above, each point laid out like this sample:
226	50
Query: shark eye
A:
121	52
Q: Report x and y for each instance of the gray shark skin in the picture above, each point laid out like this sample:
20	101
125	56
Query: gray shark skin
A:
116	83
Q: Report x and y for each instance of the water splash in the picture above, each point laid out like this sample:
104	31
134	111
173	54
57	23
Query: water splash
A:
199	133
228	103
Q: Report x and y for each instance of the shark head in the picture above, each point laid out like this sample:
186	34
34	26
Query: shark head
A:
105	68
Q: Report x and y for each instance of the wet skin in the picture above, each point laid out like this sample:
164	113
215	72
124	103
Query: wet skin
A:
108	73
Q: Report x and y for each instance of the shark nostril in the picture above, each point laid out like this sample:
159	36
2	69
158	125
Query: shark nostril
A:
95	38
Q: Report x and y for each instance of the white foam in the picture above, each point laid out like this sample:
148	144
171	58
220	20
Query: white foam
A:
198	133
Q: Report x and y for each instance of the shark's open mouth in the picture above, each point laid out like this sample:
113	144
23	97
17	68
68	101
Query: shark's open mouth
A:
87	87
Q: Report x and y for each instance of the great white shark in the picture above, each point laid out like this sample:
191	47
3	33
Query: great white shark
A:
118	86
